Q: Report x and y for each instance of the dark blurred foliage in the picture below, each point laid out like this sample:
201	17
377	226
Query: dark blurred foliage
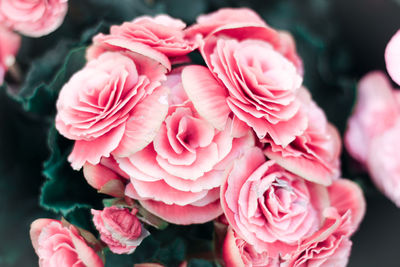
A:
339	41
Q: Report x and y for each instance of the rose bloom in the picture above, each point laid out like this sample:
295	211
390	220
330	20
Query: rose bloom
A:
331	245
261	74
9	46
372	133
177	176
113	105
119	228
273	209
57	245
239	253
33	18
313	155
160	38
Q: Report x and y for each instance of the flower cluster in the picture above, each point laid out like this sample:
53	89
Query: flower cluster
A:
371	136
239	136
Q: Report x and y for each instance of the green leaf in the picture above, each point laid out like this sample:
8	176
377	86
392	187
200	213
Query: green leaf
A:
43	82
174	253
200	263
65	189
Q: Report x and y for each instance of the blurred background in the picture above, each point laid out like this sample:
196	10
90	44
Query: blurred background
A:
339	41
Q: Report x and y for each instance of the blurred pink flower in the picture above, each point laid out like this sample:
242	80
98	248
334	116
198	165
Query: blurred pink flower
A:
33	18
373	130
55	244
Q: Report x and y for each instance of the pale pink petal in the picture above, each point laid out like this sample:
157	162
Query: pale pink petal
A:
183	215
143	123
98	175
85	253
392	57
230	251
207	95
92	151
132	46
346	195
35	230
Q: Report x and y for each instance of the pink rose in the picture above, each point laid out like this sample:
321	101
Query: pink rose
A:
9	46
239	253
33	18
314	155
56	244
159	38
119	228
106	177
331	245
392	57
275	210
113	105
373	130
178	176
260	73
209	22
268	206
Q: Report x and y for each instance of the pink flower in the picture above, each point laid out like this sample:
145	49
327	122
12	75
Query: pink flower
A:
260	73
113	105
314	155
274	210
33	18
209	22
178	176
392	57
57	245
9	46
373	130
331	245
265	204
239	253
119	228
159	38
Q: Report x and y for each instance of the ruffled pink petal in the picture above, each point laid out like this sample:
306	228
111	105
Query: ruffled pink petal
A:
160	191
392	57
183	215
120	43
308	169
207	95
242	31
92	151
346	195
143	123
